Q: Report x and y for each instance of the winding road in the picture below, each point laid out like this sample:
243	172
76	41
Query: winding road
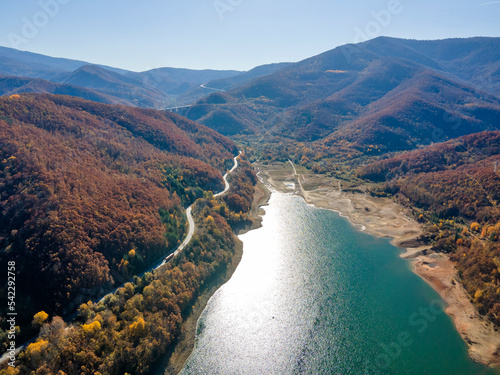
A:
191	229
190	219
226	188
211	88
181	247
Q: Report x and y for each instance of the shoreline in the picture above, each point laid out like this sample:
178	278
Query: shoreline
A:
482	339
382	217
174	360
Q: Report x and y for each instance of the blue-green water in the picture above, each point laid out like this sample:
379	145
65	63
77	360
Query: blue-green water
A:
312	295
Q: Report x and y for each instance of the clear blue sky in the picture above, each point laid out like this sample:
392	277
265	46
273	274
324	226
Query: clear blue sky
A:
227	34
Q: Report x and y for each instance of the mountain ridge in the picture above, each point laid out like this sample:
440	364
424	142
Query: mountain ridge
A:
336	91
11	85
156	88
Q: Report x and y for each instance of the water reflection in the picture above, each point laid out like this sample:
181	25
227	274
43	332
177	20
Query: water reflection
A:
314	296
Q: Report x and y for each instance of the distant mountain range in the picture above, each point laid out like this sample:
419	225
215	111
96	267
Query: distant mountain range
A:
10	85
389	93
157	88
21	63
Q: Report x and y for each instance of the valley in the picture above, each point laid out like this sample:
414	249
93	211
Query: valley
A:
98	181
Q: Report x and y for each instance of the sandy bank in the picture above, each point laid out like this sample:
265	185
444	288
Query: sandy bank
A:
480	335
383	217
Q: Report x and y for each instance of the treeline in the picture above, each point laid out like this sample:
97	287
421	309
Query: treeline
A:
470	192
440	157
454	189
130	330
240	197
477	257
91	194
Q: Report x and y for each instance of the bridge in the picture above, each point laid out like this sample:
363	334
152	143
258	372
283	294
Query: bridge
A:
176	109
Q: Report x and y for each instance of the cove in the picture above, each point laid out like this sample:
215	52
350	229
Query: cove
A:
313	295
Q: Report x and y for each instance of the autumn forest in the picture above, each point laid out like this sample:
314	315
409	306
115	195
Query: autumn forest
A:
93	194
95	183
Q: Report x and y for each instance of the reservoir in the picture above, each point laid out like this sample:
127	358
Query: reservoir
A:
314	295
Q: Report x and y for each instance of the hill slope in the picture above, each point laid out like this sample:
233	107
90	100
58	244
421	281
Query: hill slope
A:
245	77
91	193
174	81
395	93
10	85
114	84
454	189
156	88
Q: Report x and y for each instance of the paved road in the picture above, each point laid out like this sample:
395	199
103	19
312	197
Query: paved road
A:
181	247
226	176
211	88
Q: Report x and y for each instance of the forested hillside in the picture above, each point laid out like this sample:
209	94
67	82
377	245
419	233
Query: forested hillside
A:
91	194
133	328
382	95
11	85
453	188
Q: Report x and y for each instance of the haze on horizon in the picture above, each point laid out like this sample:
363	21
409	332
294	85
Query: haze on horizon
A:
228	34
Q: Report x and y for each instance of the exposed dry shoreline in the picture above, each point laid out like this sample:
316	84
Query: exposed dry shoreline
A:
175	360
383	217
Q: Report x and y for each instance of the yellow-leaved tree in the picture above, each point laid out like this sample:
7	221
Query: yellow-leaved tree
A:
37	349
40	318
92	327
138	328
